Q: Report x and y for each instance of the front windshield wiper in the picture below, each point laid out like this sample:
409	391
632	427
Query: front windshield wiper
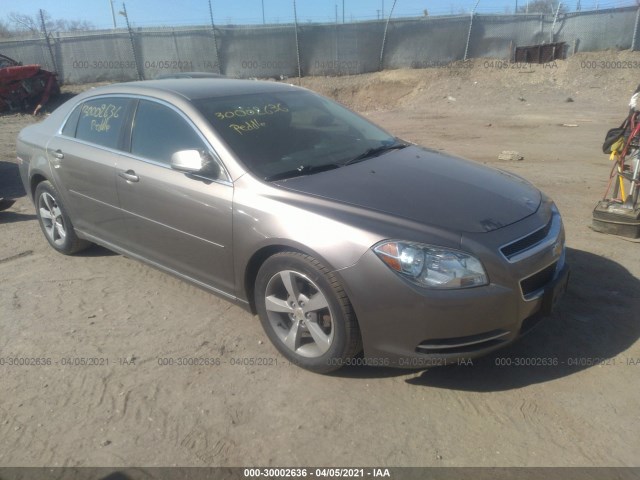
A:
302	170
374	152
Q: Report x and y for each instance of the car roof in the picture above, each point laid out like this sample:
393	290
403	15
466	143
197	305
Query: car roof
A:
190	75
195	88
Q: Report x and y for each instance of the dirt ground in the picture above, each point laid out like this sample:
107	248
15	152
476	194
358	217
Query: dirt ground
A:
584	411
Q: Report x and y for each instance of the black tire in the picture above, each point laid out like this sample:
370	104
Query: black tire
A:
333	322
57	227
6	203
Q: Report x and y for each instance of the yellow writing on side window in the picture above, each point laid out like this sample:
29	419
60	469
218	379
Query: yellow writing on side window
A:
101	115
269	109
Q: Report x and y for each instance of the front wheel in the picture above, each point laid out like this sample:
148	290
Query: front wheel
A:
55	222
306	313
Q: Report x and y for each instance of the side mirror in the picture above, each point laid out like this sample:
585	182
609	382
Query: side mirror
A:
195	162
189	161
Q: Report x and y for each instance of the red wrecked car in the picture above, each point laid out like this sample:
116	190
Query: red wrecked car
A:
25	87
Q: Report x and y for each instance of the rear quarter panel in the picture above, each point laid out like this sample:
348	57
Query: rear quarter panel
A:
31	149
32	157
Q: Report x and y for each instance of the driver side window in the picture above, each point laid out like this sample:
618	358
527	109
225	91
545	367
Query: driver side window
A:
158	132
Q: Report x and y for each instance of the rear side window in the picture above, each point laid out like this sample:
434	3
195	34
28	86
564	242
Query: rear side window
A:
69	129
101	121
159	132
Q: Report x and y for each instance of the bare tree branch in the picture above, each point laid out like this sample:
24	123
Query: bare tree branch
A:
32	23
5	32
23	22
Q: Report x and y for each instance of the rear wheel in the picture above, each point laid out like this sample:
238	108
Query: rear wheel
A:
306	313
55	222
6	203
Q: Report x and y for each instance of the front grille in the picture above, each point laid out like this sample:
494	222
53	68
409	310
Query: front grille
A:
537	281
463	344
519	246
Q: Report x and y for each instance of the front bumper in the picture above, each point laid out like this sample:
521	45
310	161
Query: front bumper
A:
403	325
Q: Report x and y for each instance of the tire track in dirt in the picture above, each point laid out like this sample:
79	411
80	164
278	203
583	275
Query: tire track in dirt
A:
17	256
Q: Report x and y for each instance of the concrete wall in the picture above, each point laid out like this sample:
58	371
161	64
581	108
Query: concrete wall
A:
426	43
95	58
258	52
323	49
343	49
609	29
28	51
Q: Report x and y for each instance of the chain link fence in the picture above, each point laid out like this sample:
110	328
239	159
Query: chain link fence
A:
289	50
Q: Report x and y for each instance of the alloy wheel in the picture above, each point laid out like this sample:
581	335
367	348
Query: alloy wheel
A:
299	314
52	219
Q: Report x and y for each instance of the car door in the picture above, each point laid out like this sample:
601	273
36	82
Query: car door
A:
176	220
83	156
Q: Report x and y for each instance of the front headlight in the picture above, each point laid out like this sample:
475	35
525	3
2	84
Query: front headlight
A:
431	266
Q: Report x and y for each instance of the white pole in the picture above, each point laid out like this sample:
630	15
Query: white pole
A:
113	14
555	19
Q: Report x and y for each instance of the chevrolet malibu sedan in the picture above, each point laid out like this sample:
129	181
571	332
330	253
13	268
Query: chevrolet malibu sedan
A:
350	244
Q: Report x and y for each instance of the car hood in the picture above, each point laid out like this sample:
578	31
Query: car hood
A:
428	187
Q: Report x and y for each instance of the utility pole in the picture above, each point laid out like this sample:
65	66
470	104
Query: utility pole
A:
342	11
473	14
43	26
139	69
336	14
113	14
295	20
384	35
555	19
263	20
382	11
215	40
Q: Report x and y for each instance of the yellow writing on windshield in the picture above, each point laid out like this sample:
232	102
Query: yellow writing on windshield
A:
269	109
248	126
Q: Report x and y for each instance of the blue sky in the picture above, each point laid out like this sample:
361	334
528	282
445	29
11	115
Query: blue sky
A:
145	13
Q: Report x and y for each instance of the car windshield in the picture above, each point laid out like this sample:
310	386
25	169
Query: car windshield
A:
289	134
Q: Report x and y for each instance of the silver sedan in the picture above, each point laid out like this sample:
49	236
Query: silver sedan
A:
350	244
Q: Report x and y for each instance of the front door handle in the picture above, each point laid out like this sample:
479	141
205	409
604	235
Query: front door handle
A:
58	154
129	176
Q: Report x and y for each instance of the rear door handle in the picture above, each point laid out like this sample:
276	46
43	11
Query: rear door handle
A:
129	176
56	154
